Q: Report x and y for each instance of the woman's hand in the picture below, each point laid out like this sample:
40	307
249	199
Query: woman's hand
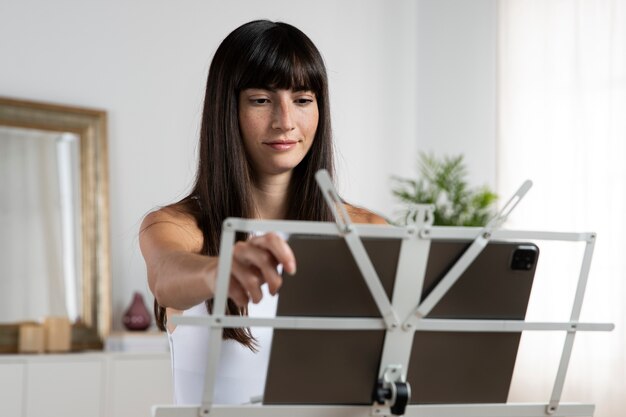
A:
255	262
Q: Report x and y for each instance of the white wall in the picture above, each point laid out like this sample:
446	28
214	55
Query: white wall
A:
145	63
456	78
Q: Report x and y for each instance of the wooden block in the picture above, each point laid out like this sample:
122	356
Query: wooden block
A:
31	338
58	334
9	337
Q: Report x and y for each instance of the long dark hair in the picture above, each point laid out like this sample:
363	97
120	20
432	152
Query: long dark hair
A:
258	54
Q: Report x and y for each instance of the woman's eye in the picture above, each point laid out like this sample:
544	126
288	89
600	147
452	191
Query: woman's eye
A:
260	100
304	100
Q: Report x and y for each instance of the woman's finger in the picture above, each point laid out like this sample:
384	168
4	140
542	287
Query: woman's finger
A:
279	248
250	255
249	278
238	294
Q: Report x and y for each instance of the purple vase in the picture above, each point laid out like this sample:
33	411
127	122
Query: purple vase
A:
137	317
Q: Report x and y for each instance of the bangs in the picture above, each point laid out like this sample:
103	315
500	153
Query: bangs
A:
282	61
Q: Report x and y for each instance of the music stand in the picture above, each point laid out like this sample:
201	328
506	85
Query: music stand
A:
400	317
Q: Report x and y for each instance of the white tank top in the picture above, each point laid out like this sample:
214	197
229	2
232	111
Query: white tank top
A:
240	374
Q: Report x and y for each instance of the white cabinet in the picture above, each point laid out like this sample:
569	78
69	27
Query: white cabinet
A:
84	384
139	384
71	388
11	389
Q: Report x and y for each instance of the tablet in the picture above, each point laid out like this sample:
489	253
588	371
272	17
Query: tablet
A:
340	367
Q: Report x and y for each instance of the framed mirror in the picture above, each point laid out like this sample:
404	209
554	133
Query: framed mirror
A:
54	244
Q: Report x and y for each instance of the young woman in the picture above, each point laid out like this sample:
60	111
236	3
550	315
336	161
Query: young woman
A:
265	132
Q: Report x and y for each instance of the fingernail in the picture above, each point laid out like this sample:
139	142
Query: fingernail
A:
292	268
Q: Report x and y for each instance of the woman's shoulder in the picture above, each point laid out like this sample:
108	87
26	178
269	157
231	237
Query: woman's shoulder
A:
174	214
173	222
361	215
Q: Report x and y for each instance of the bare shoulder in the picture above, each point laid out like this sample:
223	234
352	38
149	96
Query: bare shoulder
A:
361	215
171	226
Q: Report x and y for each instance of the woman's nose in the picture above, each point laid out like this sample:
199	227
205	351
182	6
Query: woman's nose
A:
282	116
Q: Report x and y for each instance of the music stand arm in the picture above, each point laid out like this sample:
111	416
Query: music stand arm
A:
352	239
477	246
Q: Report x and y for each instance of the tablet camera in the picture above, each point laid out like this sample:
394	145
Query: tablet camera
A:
524	258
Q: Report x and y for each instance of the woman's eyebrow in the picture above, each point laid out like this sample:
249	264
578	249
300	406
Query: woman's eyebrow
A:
274	89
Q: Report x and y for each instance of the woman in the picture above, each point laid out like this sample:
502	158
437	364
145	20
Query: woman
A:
265	132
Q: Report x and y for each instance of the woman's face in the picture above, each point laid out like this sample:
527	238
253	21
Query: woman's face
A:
278	127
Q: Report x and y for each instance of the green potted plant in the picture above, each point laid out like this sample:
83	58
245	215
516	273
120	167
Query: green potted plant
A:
443	183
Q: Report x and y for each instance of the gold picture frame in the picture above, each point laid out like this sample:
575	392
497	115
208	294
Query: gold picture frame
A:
90	125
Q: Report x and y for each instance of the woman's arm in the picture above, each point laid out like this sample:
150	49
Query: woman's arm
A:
179	277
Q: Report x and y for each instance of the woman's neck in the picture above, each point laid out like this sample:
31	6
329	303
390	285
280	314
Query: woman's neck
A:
271	195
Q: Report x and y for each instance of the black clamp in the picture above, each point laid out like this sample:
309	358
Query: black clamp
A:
392	391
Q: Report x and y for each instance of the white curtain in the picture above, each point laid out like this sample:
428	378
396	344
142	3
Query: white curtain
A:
562	123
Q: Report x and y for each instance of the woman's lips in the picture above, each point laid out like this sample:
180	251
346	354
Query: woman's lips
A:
281	145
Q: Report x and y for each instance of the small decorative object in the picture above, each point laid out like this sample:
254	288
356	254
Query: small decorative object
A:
31	338
58	334
137	317
443	184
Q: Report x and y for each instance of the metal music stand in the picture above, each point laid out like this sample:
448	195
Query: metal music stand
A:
400	317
